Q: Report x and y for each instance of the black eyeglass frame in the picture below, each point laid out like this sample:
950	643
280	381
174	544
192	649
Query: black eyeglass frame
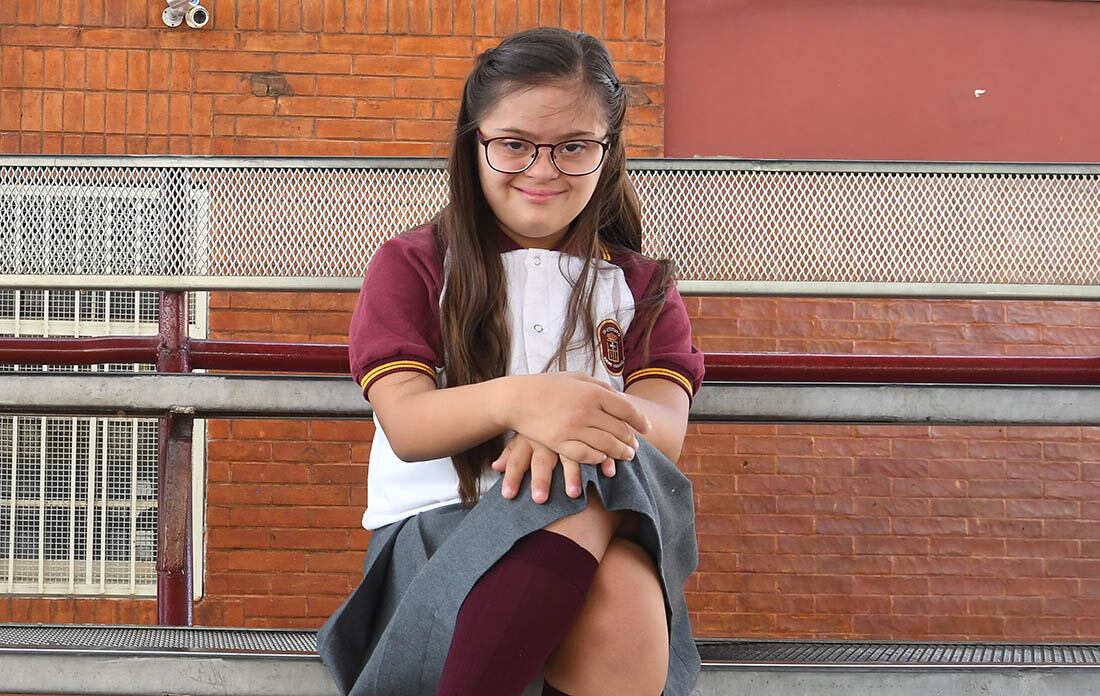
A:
538	148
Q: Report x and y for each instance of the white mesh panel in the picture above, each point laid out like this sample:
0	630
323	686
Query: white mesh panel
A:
83	519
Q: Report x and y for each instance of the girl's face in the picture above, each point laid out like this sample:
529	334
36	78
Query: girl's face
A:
535	207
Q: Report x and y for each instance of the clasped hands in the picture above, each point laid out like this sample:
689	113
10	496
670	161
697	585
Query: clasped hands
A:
573	419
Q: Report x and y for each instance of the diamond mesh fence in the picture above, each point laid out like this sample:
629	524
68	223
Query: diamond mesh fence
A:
202	223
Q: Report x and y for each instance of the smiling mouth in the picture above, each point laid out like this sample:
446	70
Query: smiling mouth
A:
534	194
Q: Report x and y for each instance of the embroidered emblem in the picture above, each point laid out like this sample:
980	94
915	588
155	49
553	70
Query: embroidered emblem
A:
610	337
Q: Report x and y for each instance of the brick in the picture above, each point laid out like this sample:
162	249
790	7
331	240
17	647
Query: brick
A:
280	43
892	467
332	16
783	485
332	540
771	603
861	485
53	68
720	545
852	565
994	488
928	487
40	36
1043	508
232	450
930	526
1035	472
236	62
115	38
851	525
246	472
811	465
330	63
270	429
311	494
355	86
966	468
356	44
766	445
889	545
892	507
334	562
1004	528
73	112
51	110
408	87
809	504
238	538
31	110
970	507
244	105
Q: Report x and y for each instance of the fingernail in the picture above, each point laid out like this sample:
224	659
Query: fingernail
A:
612	468
630	454
574	491
506	491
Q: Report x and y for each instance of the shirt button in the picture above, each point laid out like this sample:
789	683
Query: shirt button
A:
537	328
537	261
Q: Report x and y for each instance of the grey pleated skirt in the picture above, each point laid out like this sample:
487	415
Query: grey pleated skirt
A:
391	636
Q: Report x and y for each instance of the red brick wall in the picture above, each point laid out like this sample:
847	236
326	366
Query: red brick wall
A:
879	532
106	76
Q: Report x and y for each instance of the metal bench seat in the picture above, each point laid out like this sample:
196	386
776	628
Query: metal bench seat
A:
71	659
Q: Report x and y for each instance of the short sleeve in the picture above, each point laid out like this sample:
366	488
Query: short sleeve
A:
395	326
671	353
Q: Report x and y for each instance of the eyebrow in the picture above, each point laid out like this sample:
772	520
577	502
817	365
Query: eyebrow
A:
525	134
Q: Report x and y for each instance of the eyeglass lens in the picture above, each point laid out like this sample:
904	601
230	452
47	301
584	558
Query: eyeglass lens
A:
572	157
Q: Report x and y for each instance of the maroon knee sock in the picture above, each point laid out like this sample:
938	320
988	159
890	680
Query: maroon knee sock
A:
516	614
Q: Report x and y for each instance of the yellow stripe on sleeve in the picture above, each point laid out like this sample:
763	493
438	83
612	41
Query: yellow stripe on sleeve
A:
396	366
659	372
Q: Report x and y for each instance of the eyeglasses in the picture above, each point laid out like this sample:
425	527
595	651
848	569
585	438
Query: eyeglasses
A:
509	155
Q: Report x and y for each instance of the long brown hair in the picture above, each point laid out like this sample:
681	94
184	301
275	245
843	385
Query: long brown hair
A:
473	312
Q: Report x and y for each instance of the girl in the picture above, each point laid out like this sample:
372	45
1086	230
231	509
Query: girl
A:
519	523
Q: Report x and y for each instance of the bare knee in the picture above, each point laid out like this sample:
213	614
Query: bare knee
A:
592	528
624	614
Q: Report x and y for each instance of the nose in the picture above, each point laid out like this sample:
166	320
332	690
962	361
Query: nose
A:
543	167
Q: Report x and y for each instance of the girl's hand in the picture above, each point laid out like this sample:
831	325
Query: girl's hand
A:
575	415
523	453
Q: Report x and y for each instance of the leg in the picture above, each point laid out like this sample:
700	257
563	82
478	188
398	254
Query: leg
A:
591	528
522	606
619	643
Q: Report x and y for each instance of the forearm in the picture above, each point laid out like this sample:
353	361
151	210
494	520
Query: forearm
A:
436	423
668	424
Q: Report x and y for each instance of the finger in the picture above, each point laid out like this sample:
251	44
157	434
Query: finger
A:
603	441
498	463
542	469
572	472
620	407
608	467
619	429
581	452
518	462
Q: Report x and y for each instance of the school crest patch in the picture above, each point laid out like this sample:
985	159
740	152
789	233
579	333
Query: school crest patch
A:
610	337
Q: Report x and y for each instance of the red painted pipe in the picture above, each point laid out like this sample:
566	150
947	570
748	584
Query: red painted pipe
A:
332	358
276	357
901	369
78	351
